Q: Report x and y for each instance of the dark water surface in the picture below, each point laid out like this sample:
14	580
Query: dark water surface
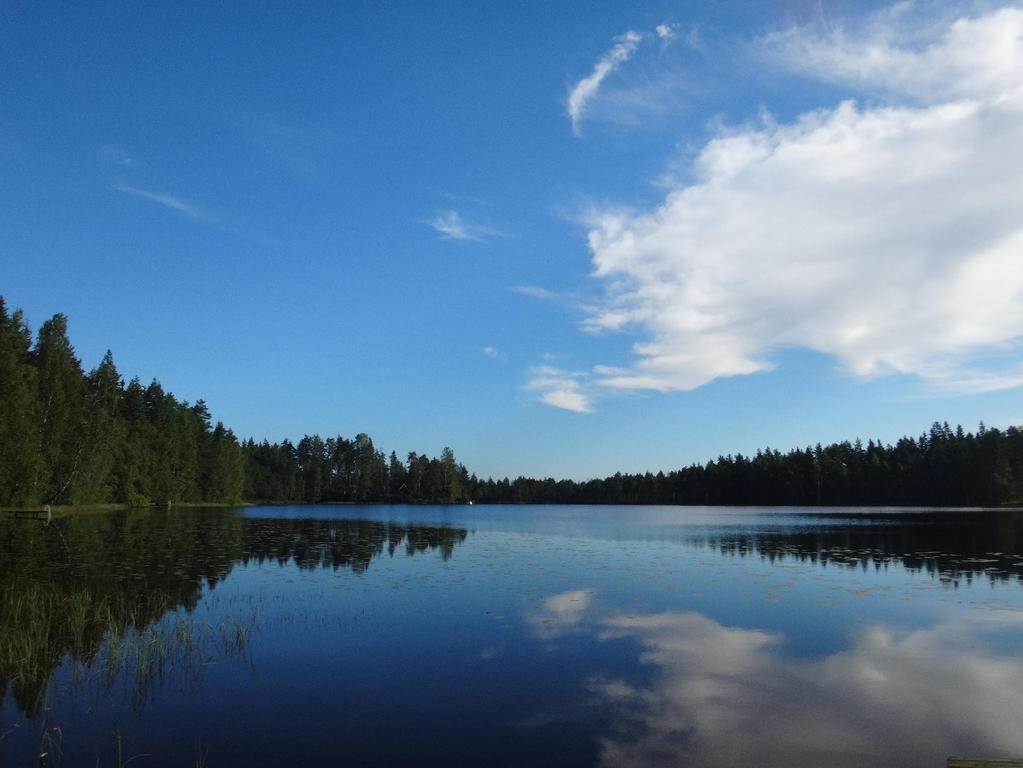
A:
345	635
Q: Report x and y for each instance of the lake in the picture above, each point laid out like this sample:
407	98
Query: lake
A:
504	635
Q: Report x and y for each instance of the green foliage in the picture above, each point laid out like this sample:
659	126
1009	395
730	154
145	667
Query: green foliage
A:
138	500
339	469
63	399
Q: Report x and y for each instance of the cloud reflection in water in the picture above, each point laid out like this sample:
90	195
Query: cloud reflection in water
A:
730	696
561	613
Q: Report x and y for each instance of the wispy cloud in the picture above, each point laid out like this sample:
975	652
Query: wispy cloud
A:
582	92
301	148
452	226
656	87
887	237
116	156
671	32
894	51
666	31
535	292
456	197
182	206
560	389
490	352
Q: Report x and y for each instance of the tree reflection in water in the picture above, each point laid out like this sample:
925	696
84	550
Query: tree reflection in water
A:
954	547
112	594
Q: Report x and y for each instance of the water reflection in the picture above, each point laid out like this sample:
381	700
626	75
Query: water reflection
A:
93	589
731	696
340	544
954	547
560	614
645	637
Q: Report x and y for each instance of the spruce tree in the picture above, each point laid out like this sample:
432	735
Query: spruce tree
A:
61	415
19	408
104	432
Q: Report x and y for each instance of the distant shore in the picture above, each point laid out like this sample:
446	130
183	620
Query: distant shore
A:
64	510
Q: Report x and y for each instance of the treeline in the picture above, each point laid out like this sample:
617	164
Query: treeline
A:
338	469
943	467
67	436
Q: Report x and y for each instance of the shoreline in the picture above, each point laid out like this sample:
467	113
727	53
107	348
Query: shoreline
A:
64	510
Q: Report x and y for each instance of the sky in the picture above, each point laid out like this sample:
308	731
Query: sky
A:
565	239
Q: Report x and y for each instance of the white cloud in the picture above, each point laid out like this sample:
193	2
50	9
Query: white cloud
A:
888	236
561	389
583	92
490	352
452	226
726	696
896	52
666	31
178	204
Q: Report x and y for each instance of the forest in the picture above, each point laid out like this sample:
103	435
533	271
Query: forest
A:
68	436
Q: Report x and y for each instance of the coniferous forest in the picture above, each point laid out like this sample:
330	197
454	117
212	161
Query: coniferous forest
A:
68	436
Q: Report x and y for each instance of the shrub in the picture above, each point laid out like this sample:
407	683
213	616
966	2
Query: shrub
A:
138	500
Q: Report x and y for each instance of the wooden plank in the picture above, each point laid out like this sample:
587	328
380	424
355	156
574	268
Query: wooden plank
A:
979	762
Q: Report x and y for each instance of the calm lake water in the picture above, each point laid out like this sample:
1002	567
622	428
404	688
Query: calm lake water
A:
378	635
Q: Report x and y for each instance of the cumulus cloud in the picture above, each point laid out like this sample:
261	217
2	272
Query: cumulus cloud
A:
886	236
726	696
560	388
452	226
583	92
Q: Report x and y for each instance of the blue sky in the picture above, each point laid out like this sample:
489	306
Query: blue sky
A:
563	239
